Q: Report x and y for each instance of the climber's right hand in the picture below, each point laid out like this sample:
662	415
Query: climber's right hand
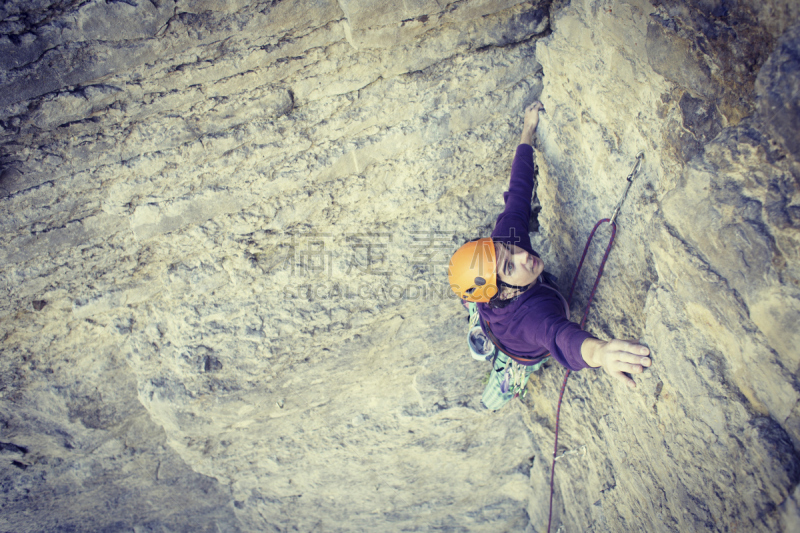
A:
531	121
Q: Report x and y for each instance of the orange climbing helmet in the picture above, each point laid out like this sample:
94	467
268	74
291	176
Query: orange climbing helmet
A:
473	271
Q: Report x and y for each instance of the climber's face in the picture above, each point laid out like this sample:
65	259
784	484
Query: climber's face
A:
517	267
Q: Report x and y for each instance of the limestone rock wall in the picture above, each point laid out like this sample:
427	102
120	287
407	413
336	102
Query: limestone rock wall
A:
225	234
703	268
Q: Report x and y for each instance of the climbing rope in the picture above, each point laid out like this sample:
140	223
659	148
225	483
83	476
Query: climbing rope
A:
612	223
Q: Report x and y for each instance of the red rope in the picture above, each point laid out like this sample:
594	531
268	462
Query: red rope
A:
583	323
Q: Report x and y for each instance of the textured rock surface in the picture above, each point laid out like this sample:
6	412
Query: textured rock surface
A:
703	267
225	232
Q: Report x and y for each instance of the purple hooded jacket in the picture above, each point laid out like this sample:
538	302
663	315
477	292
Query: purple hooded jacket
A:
537	322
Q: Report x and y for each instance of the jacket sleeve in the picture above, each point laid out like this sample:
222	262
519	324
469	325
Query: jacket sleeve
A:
549	328
565	344
513	222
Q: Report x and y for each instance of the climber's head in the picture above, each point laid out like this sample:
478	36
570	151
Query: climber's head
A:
483	270
517	269
473	271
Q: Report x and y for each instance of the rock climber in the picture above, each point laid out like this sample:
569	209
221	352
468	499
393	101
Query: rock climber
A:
502	282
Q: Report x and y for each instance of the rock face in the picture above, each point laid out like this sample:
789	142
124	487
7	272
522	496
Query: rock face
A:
226	228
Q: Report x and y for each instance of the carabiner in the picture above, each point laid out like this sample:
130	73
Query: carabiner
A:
636	166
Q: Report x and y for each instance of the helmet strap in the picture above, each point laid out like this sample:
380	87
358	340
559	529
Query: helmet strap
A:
517	287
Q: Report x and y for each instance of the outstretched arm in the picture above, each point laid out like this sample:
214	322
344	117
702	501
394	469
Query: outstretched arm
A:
512	224
616	357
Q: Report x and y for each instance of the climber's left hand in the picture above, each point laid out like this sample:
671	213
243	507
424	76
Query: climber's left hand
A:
617	357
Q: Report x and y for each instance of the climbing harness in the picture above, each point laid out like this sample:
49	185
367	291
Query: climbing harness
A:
518	367
612	223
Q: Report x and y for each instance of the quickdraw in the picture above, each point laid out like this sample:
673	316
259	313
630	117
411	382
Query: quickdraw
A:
513	379
636	166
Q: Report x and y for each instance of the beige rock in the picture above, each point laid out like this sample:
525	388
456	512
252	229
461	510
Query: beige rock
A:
225	233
